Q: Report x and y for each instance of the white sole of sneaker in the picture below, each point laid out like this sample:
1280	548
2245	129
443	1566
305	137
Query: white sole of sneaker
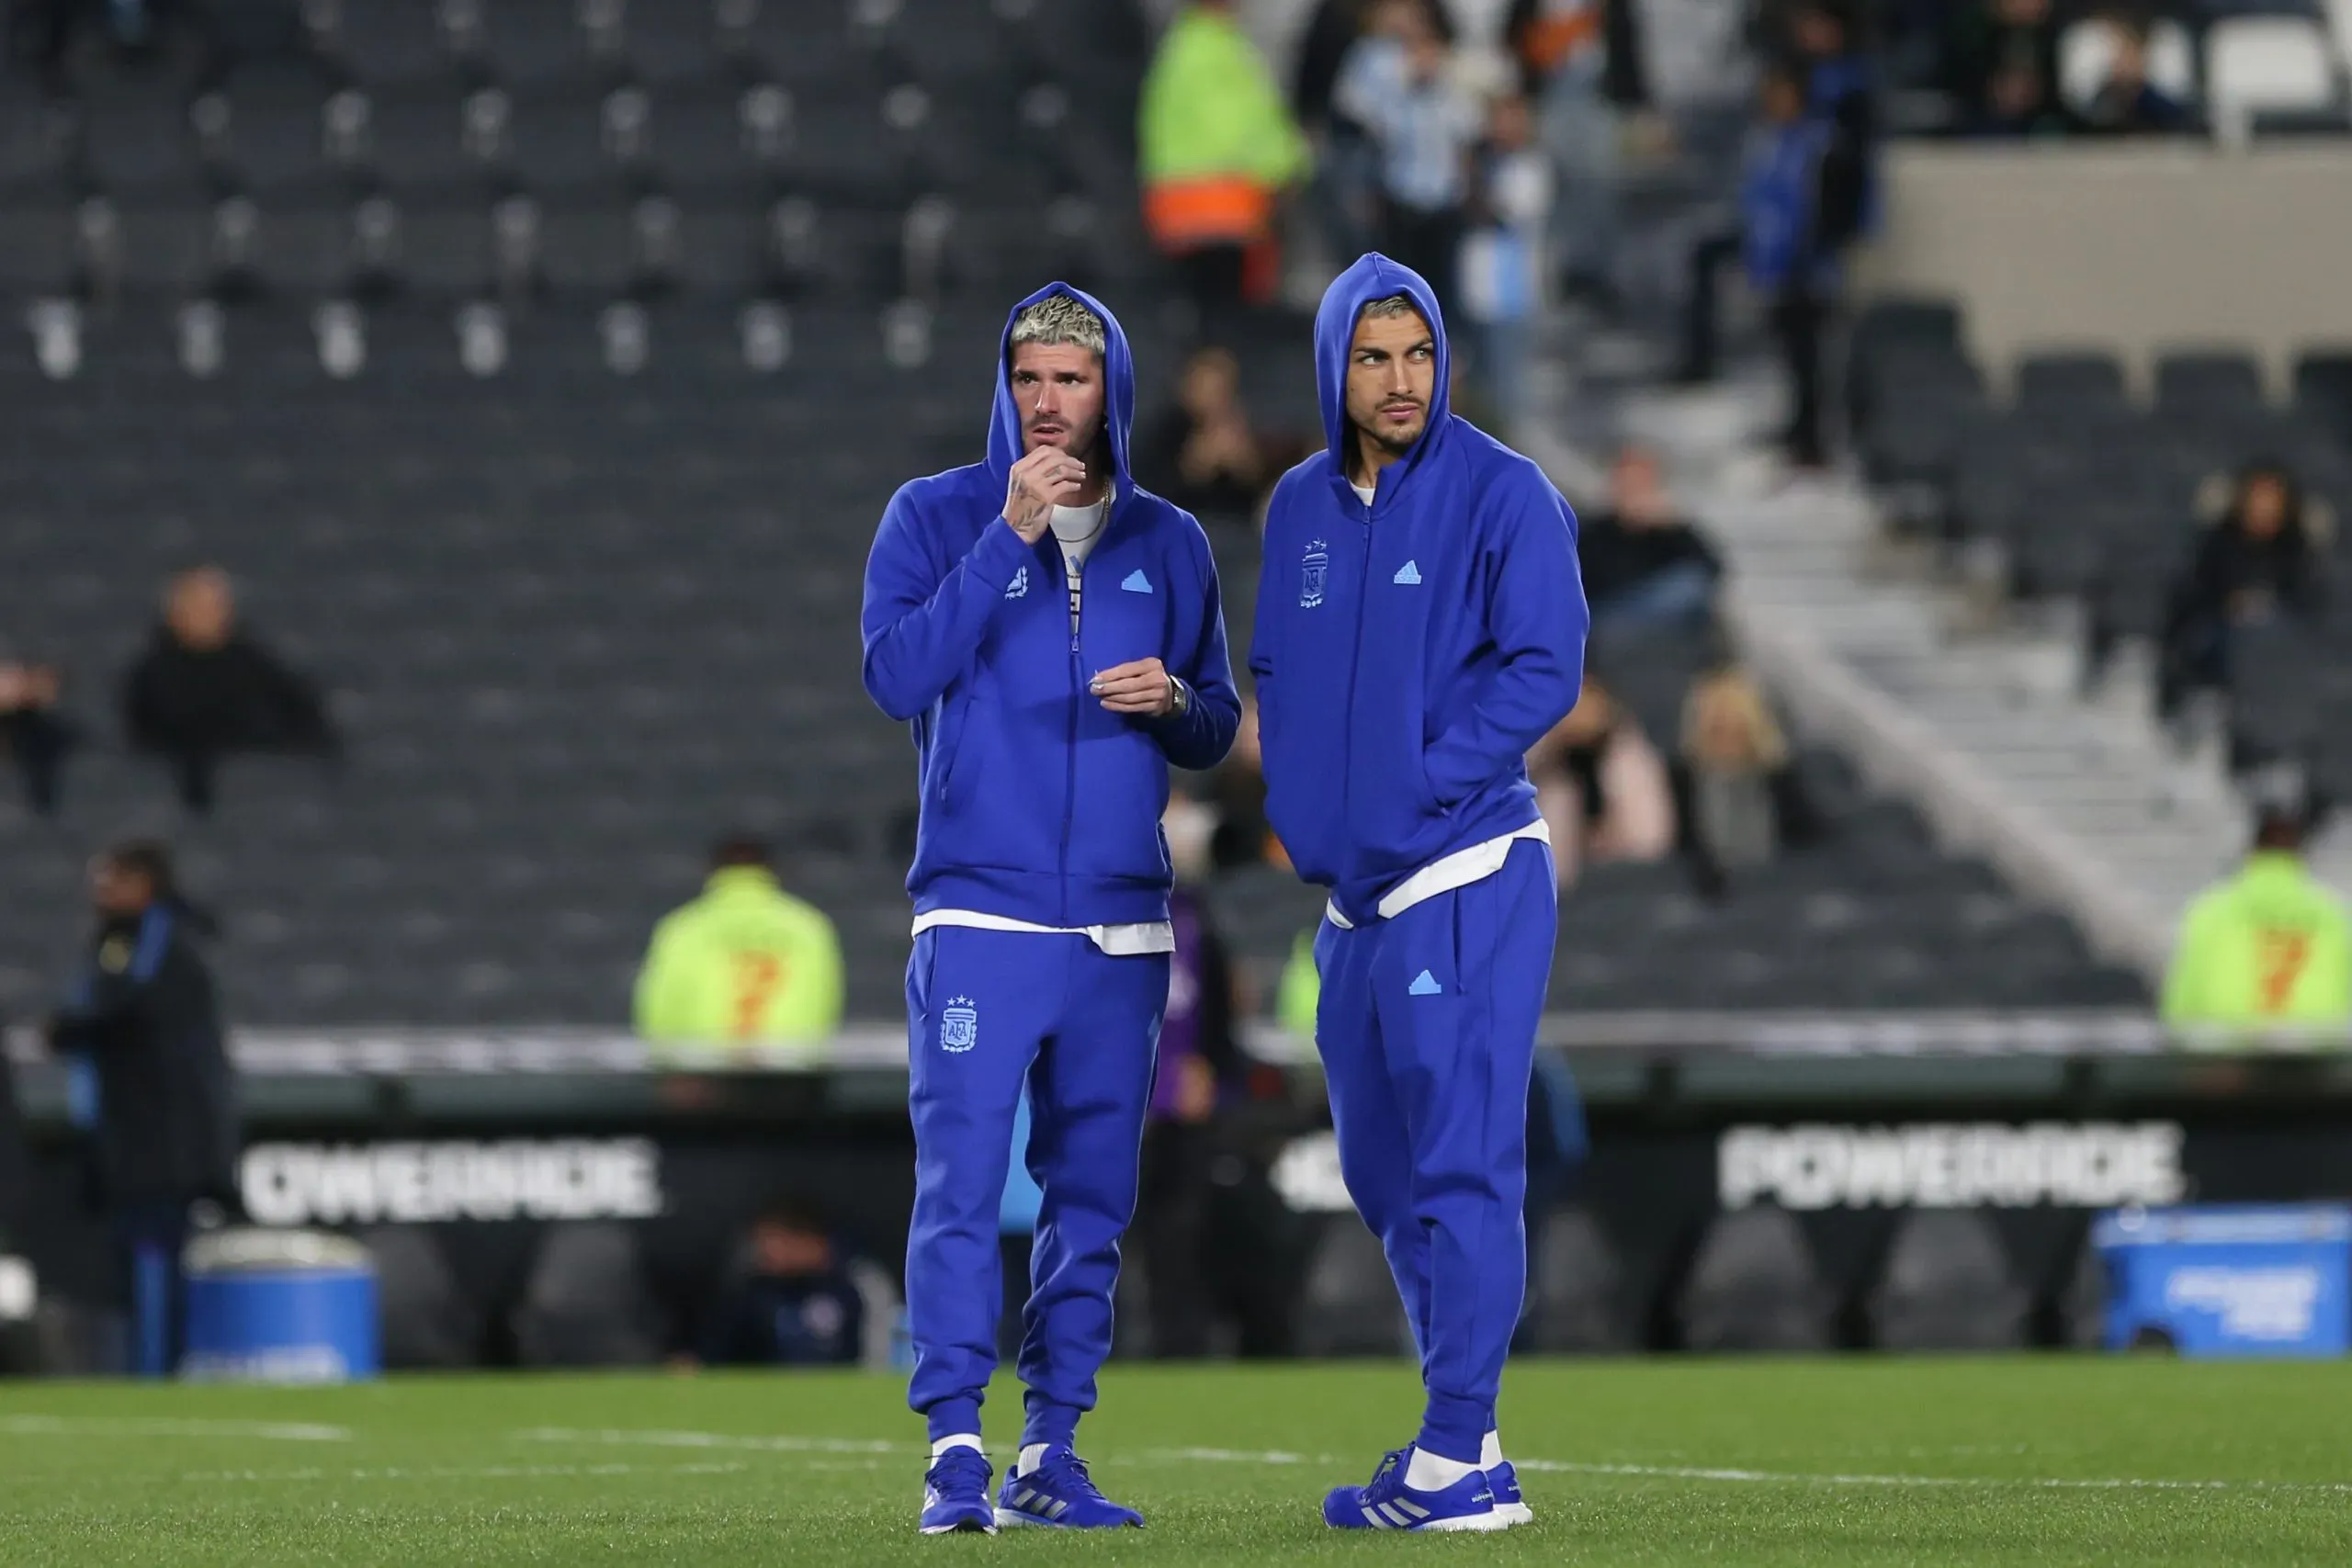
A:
1517	1513
1014	1517
1493	1519
973	1528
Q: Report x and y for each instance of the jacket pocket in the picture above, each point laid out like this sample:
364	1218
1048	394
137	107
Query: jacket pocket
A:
955	718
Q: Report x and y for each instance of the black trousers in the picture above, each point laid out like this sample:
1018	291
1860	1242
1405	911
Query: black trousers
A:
38	741
1212	277
1798	322
1431	243
1709	256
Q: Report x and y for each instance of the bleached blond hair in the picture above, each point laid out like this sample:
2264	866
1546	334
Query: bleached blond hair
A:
1059	319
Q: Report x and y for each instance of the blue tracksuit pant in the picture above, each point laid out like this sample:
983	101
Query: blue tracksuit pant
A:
986	1010
1427	1027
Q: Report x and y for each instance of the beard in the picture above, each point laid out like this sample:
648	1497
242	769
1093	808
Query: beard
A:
1394	443
1081	445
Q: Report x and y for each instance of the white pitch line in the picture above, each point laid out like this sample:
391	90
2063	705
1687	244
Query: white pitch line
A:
458	1472
776	1444
156	1427
668	1439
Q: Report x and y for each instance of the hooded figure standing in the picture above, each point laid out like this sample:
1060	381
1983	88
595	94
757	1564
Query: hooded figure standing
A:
1420	624
1053	634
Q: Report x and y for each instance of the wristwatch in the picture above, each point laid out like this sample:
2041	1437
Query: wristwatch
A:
1180	698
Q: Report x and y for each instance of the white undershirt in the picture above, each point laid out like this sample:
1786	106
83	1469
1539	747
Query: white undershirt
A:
1078	528
1460	869
1364	492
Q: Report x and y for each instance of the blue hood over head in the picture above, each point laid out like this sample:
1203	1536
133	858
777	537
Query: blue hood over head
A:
1119	398
1374	277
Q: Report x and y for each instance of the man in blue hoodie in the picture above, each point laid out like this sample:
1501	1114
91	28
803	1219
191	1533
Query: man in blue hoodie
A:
1053	635
1421	624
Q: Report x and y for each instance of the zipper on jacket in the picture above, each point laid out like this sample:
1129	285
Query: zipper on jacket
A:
1076	696
1356	664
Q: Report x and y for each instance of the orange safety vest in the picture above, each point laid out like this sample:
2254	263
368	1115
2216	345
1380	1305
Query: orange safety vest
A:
1190	211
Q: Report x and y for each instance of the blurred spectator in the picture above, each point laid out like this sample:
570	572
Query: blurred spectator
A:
205	688
2270	945
1502	259
149	1081
1346	177
789	1297
1218	148
1204	1260
2004	65
1580	63
1733	750
1789	251
2127	103
1603	788
2259	562
1400	84
1237	790
1203	454
35	735
745	963
1645	565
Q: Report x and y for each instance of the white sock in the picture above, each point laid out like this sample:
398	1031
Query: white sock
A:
1429	1472
1490	1452
957	1440
1031	1456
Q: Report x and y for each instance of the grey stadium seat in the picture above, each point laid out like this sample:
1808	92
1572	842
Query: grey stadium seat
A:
1576	1298
1946	1285
1754	1286
428	1322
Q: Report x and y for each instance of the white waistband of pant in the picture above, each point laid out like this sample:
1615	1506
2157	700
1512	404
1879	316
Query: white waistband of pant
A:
1459	869
1117	942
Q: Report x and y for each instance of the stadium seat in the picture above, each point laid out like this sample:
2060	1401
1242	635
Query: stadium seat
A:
1754	1286
1349	1307
428	1322
2259	68
541	43
2207	385
675	44
140	144
1946	1285
1578	1306
393	43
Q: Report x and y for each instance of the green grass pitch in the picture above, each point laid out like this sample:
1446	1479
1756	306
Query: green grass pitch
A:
2041	1461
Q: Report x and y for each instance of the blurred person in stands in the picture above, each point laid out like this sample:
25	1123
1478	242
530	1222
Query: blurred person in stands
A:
206	688
1601	787
2261	561
1344	193
2004	65
1237	789
1203	454
1791	245
2270	945
1401	84
1194	1267
745	963
1502	257
1644	563
34	734
149	1080
1054	636
1580	64
2127	103
791	1296
1218	150
1732	756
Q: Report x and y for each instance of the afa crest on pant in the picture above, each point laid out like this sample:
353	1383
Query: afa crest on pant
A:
959	1025
1311	570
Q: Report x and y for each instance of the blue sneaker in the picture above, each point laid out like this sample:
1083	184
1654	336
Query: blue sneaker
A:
955	1494
1387	1503
1503	1482
1059	1493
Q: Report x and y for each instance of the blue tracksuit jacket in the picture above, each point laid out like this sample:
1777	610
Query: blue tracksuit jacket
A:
1037	804
1408	652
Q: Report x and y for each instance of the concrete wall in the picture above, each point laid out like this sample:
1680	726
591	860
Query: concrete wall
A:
2135	248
